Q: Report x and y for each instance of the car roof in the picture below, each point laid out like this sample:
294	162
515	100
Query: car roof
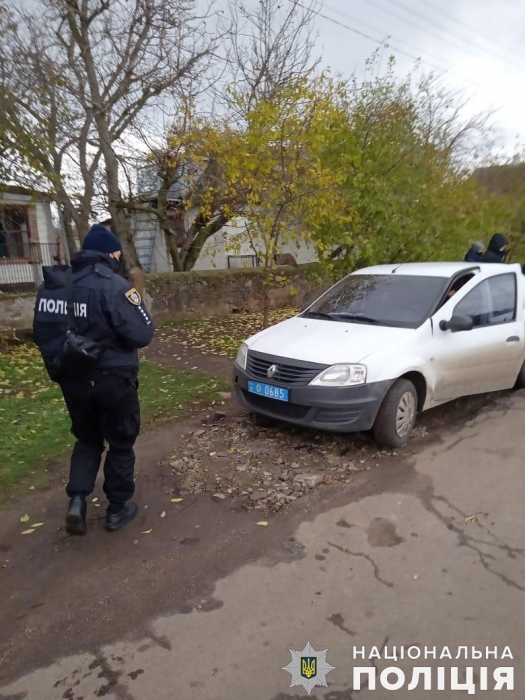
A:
435	269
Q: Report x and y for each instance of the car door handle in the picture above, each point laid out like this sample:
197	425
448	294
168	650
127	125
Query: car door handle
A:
513	339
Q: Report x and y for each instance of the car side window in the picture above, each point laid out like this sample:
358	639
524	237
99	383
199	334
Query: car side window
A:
491	302
503	294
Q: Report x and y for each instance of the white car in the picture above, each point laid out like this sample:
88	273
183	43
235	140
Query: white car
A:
386	342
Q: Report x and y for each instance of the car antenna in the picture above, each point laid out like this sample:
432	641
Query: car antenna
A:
397	268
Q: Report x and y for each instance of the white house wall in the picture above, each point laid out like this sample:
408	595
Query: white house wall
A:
233	240
44	223
230	240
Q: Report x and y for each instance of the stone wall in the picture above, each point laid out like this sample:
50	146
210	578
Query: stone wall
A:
179	295
16	311
173	296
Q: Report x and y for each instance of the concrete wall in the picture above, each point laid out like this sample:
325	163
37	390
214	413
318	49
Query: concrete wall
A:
173	296
16	312
219	292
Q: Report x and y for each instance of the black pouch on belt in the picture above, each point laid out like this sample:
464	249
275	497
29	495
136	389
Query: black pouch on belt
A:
79	355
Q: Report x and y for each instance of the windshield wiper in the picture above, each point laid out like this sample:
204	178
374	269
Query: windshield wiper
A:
360	318
318	314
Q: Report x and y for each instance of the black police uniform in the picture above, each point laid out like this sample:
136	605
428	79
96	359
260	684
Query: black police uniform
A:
104	406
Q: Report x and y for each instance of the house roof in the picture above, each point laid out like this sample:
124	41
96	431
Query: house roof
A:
25	192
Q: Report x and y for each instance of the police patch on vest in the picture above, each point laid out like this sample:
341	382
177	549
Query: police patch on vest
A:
133	297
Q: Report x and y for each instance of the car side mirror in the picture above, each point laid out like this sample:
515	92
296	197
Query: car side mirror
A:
457	324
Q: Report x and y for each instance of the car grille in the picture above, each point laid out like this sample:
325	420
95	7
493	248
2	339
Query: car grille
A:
288	374
276	408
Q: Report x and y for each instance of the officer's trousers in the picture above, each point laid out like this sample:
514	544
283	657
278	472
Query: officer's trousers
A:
103	409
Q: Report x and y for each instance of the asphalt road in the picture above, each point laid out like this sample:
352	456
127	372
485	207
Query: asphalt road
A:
423	551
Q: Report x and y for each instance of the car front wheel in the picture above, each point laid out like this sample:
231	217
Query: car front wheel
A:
396	417
520	381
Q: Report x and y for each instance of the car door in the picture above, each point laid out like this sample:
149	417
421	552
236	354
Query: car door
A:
488	357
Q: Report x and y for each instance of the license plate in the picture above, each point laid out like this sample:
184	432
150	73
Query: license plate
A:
272	392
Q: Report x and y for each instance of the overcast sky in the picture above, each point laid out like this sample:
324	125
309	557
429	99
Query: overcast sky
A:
477	44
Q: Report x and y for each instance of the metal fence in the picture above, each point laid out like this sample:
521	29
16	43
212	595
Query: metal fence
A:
243	261
21	261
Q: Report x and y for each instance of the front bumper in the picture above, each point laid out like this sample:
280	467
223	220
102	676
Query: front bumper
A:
339	409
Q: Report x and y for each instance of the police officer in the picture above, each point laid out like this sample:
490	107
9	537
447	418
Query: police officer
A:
103	405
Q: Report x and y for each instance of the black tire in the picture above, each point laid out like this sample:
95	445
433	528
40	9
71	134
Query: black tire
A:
385	430
520	381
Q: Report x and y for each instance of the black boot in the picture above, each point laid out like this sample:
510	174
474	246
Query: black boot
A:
76	516
114	521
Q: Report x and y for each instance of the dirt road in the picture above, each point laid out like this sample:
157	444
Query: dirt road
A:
424	549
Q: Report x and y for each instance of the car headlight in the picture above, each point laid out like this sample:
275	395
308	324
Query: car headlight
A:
242	356
341	375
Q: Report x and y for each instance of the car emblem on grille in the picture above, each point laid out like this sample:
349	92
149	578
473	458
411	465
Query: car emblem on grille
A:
271	371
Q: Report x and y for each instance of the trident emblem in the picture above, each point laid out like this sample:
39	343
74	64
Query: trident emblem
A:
308	666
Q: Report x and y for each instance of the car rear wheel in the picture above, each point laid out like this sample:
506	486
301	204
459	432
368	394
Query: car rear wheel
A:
396	417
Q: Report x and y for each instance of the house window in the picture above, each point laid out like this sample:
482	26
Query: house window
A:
14	236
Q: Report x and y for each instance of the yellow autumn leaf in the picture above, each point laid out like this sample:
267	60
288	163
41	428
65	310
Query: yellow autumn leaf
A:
37	524
163	514
263	523
27	532
147	532
176	500
24	518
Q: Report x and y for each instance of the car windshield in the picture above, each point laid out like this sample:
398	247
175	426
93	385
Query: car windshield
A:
402	301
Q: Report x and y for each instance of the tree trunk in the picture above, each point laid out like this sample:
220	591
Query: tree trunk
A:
266	307
195	248
267	280
67	219
116	205
171	247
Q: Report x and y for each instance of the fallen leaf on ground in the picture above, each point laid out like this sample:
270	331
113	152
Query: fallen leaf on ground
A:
24	518
28	532
31	488
94	500
37	525
147	532
470	519
163	514
176	500
264	523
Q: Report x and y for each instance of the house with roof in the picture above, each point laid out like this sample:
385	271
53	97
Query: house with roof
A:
230	247
28	237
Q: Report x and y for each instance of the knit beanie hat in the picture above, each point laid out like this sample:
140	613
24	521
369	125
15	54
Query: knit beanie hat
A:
101	239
